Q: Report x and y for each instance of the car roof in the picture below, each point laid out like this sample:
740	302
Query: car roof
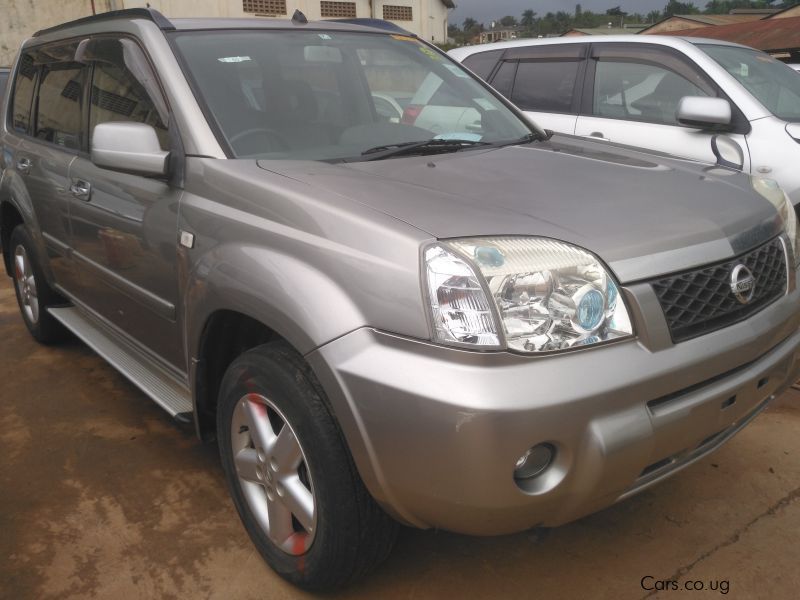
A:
663	40
88	25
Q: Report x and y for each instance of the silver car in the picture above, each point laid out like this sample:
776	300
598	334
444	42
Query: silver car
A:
441	318
662	93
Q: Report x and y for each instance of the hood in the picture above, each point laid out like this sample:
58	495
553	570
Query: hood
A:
643	214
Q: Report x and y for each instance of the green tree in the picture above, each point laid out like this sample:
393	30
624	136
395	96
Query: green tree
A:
528	19
679	8
508	21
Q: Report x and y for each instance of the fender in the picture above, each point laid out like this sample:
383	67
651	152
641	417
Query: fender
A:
14	192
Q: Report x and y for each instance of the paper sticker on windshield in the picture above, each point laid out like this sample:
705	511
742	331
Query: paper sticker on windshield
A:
745	70
325	36
403	38
429	52
460	136
458	72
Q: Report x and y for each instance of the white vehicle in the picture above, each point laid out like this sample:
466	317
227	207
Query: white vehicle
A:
668	94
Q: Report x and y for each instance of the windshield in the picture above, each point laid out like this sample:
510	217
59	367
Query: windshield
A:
312	95
772	83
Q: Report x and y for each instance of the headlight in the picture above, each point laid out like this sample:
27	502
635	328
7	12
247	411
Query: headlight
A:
525	294
770	190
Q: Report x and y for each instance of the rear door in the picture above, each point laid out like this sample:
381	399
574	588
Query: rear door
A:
632	96
47	119
545	82
125	225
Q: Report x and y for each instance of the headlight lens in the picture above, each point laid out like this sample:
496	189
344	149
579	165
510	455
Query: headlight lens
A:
548	295
770	190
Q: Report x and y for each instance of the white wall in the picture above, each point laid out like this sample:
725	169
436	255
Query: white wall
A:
19	19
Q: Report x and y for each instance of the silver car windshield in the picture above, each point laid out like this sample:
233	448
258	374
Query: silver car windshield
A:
313	95
772	83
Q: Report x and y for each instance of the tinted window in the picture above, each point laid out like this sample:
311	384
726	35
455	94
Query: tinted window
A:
3	81
504	78
58	119
23	95
118	97
545	86
640	92
483	63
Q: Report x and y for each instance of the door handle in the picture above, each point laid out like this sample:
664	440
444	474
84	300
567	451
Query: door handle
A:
599	135
82	190
24	165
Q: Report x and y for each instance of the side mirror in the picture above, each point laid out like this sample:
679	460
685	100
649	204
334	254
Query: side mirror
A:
704	113
793	129
128	147
728	152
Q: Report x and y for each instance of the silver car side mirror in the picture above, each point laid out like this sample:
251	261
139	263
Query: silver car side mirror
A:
728	152
129	147
793	129
704	113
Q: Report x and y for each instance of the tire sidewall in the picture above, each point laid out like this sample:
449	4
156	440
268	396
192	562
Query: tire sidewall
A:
337	513
21	237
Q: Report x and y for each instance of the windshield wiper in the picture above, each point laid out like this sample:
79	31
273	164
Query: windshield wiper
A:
432	146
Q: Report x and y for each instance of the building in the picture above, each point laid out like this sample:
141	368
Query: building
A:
787	13
627	30
777	36
426	18
500	34
684	22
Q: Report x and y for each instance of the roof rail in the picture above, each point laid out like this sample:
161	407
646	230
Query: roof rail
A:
129	13
376	23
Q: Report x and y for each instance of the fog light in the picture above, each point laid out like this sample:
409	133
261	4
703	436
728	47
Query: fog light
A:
534	461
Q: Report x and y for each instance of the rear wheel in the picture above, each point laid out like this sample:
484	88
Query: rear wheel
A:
291	476
34	294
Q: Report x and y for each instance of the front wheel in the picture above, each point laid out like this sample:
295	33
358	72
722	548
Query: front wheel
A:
291	476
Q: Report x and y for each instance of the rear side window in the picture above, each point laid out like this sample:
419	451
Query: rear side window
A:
58	119
545	86
23	95
483	63
503	80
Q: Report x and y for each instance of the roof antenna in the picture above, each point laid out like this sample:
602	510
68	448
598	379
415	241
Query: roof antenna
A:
298	18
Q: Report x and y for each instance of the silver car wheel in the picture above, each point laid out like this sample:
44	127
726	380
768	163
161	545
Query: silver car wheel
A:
273	474
26	285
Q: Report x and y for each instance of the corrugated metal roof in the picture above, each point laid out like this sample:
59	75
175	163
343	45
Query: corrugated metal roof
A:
631	29
769	35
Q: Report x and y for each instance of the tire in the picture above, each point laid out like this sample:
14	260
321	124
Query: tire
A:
335	532
34	294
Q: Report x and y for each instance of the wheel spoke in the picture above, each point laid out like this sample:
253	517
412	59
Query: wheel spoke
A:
32	286
286	450
280	521
246	461
258	422
34	307
19	266
299	501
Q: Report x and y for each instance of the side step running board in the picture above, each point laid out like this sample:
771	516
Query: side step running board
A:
164	389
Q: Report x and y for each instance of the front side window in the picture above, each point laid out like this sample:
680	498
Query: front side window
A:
333	96
58	119
23	95
640	92
770	81
123	87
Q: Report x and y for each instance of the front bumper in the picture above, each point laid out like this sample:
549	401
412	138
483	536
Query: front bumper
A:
435	432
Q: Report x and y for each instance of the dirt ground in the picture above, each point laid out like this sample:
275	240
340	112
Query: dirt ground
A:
103	496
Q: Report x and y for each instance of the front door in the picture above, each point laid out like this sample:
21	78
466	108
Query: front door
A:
632	98
124	225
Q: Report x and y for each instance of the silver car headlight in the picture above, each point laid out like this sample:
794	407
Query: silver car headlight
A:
773	192
523	294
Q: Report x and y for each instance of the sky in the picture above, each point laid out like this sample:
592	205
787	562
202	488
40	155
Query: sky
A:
486	10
